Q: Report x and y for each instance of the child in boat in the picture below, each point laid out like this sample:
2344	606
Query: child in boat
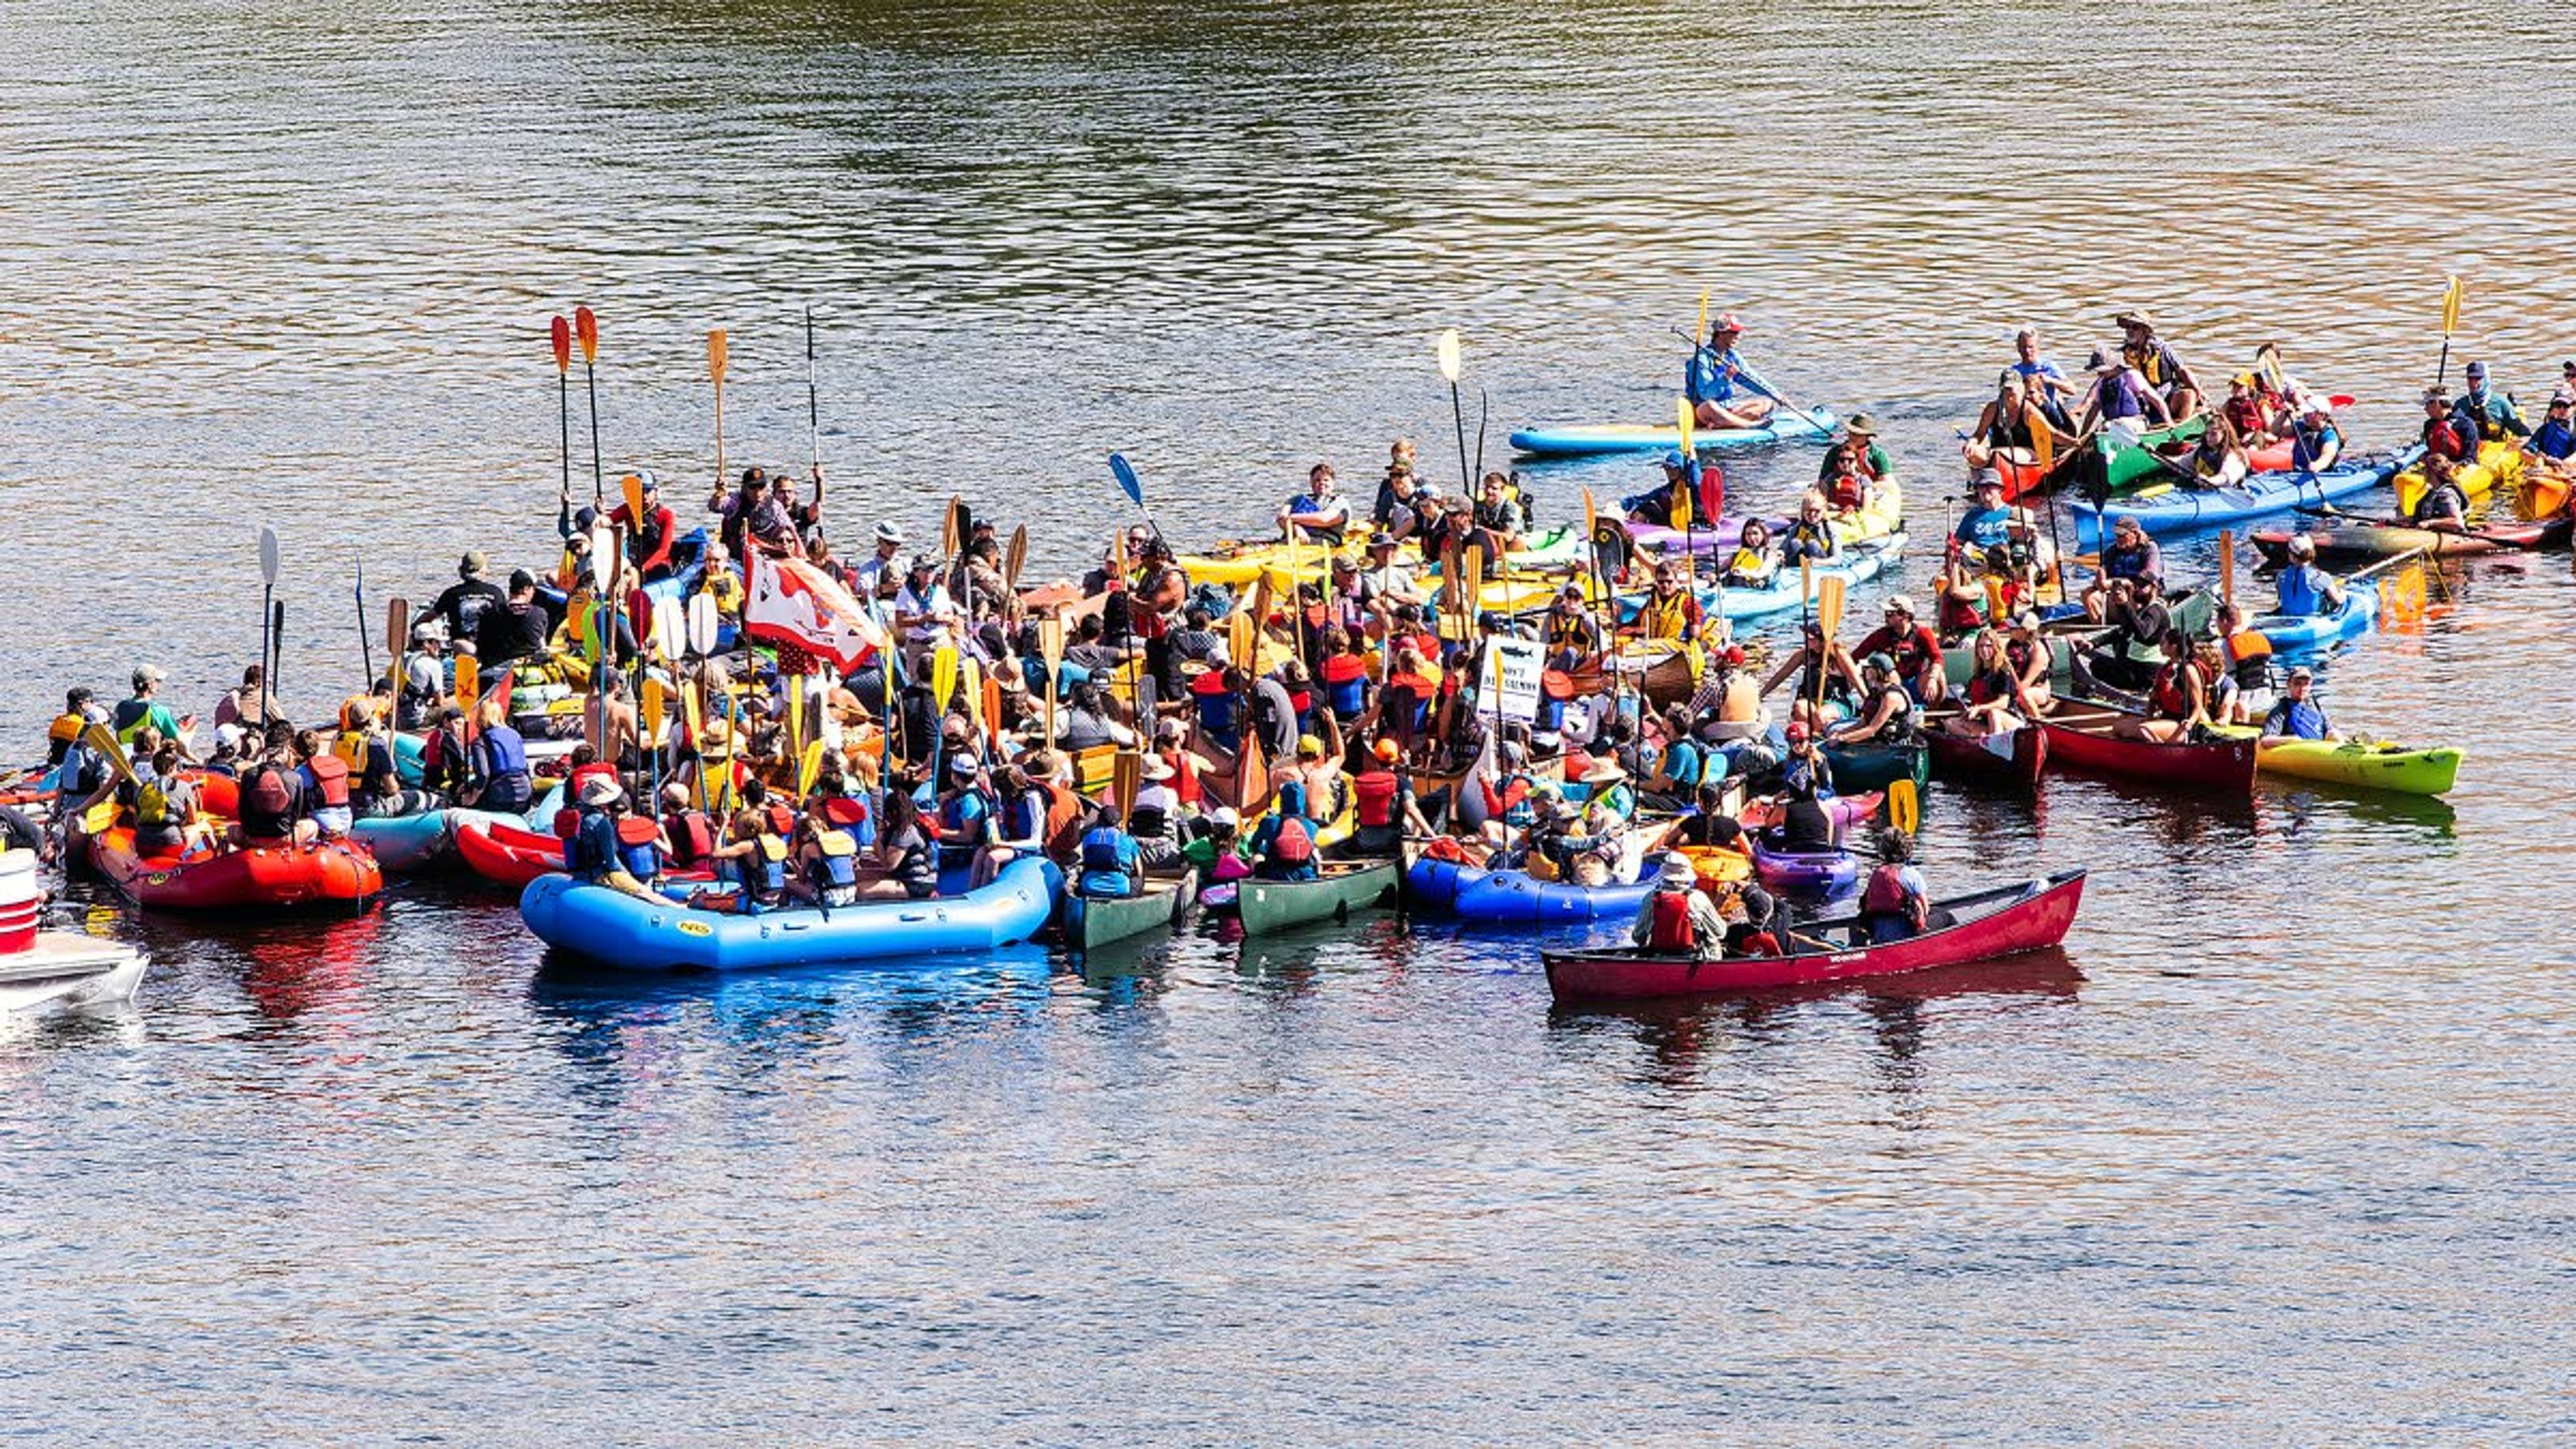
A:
1753	936
1894	905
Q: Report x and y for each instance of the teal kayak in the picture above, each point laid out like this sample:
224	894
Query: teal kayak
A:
1590	440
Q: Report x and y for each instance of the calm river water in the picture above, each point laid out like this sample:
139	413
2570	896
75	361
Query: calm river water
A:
2277	1151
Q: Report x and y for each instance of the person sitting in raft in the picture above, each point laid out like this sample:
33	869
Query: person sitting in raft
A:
2442	434
2303	589
1319	514
2218	460
165	807
1995	702
1887	714
2119	394
904	851
2486	415
326	784
275	808
2178	698
1723	392
1894	905
1113	864
2154	361
2444	504
2297	715
596	852
2010	426
1755	562
1283	848
2315	443
826	852
2244	669
1675	919
1809	538
1751	935
1827	679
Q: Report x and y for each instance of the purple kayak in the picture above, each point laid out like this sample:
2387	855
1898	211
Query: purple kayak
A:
1820	872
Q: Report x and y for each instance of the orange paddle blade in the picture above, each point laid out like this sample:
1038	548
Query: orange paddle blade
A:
585	325
561	333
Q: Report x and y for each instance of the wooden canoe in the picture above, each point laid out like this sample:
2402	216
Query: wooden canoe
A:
2080	737
1345	886
2009	920
2018	756
1091	922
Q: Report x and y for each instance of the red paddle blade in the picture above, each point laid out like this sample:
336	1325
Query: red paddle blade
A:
2339	401
561	331
585	325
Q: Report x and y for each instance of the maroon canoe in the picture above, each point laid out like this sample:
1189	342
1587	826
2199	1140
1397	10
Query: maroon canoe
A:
2017	756
2031	916
2080	737
2346	536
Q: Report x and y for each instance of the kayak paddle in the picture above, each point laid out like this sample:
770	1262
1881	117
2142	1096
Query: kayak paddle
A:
585	327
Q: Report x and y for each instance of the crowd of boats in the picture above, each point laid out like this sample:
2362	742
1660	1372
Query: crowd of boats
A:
729	746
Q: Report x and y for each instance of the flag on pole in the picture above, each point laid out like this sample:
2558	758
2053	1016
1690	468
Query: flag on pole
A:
794	604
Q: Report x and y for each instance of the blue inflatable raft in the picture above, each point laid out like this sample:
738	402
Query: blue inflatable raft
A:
1516	897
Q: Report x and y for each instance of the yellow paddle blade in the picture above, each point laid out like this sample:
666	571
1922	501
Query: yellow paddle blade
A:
943	677
1829	602
467	677
1127	773
1449	354
1703	317
811	769
2451	305
974	675
1591	517
1904	811
1689	417
693	710
99	817
100	738
655	706
633	487
716	356
1238	638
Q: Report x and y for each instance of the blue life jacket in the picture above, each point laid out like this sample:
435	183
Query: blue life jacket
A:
1109	858
2299	591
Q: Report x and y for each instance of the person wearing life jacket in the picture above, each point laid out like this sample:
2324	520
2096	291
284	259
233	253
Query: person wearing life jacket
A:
755	859
326	785
1320	514
1113	865
2245	669
2178	697
1911	647
904	849
77	716
2315	444
1675	919
1857	455
825	857
2131	555
1806	782
165	807
1383	807
648	539
2444	504
1847	481
1723	392
1669	610
1754	935
1344	675
1894	904
1809	538
2027	656
1888	714
145	711
1839	683
274	808
2154	361
691	833
966	815
1219	695
1756	561
1283	847
2297	715
597	852
2302	589
499	778
1993	702
1691	496
2443	433
1217	854
2484	414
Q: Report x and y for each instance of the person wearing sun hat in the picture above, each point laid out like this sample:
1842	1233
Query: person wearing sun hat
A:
1860	437
2155	361
1676	919
1723	392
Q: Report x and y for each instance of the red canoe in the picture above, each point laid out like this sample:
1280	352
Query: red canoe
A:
264	877
2079	737
2032	916
2019	756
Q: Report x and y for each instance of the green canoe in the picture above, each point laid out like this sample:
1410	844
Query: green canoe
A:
1859	769
1345	886
1091	921
2128	462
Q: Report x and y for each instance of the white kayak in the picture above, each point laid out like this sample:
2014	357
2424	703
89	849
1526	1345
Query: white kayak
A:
64	972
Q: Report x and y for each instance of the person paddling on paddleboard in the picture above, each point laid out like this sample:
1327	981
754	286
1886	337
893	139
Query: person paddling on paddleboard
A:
1723	392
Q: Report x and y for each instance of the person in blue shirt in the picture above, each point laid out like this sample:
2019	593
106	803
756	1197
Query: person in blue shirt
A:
1992	523
2303	588
1283	848
2041	379
1113	864
2555	438
2486	415
2297	715
1319	513
2315	445
1723	392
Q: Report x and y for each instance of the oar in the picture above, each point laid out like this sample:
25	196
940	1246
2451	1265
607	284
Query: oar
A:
559	332
1014	558
585	327
1449	364
655	710
813	399
1685	504
943	684
101	739
2043	449
1126	775
693	713
268	563
468	675
1904	809
2451	295
397	638
1829	613
273	687
716	359
2227	565
1134	488
2389	562
951	532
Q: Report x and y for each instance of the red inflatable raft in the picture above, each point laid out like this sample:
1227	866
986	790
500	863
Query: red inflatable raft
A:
264	877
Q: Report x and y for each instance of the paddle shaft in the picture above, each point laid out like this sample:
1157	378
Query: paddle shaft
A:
598	475
366	637
267	600
1458	414
813	398
2390	561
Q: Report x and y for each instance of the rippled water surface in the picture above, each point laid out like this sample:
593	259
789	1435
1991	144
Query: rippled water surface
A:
2277	1150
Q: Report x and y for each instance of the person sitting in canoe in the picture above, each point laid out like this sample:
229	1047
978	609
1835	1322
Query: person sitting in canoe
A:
1727	706
2042	379
1990	524
1723	392
2154	361
2026	655
1753	935
2178	698
2119	394
1887	714
2315	443
2245	669
1809	536
2303	589
1894	905
1995	701
1670	610
1858	453
2443	435
2131	556
1675	919
2488	415
2297	715
1319	514
2009	427
1755	561
1818	701
1218	854
1283	848
1913	650
2443	504
1113	864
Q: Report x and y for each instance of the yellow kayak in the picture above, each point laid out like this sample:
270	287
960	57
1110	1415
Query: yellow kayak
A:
1883	515
2497	470
1717	867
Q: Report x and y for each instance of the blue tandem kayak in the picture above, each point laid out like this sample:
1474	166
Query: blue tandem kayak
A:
1516	896
620	930
1591	440
2182	508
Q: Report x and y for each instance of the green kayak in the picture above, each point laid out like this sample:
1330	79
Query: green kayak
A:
2128	461
1091	921
2369	765
1344	887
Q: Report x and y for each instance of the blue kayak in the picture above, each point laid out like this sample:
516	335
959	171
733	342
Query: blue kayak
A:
1515	896
2181	508
619	930
1592	440
2314	631
1858	563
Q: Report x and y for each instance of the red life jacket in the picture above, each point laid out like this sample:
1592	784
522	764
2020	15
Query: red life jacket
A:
1760	943
782	821
636	830
2167	694
1885	894
268	793
1291	845
1185	780
1374	794
1671	929
693	836
330	779
1845	490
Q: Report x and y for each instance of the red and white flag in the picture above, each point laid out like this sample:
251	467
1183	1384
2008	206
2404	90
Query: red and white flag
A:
790	602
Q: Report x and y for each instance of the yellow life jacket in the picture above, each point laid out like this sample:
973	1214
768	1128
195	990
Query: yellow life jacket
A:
66	728
1665	617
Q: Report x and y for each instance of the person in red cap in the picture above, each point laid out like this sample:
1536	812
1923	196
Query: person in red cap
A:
1724	393
1728	705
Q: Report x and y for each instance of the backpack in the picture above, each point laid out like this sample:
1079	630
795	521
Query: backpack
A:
1292	845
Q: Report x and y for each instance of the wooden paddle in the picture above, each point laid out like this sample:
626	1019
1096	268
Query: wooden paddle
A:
1829	613
656	715
1127	773
943	688
810	768
1471	577
1051	651
397	636
1014	558
949	533
716	360
468	675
